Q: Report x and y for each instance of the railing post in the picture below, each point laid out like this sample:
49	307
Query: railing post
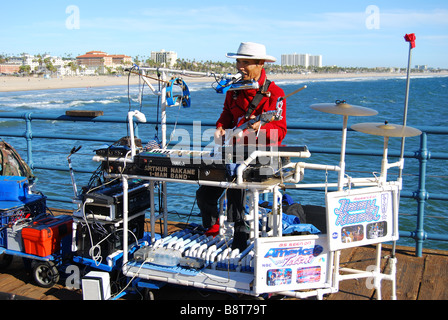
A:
422	195
29	139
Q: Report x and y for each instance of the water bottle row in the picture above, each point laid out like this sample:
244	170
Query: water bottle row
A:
192	249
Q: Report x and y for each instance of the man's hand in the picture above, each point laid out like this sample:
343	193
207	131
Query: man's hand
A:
254	126
219	134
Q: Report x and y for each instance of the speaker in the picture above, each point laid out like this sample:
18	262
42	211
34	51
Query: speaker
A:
96	286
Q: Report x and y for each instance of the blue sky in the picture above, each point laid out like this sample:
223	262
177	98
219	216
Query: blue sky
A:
346	33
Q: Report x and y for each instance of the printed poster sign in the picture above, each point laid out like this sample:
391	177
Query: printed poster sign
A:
362	216
292	263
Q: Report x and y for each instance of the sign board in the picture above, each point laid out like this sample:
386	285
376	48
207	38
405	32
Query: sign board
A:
363	216
292	263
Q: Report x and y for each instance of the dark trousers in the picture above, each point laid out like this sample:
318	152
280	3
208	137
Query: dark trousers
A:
207	199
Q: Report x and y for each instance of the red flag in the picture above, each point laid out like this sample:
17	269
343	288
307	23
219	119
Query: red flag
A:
410	38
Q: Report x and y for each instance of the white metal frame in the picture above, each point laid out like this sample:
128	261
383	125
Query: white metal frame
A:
240	282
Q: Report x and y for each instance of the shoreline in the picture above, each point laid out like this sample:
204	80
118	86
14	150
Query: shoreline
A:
13	84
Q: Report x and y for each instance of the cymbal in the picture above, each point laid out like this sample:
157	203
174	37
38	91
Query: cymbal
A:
343	108
386	129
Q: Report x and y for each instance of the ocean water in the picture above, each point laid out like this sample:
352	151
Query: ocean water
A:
428	106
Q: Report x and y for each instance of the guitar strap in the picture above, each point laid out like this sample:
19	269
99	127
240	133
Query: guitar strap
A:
257	99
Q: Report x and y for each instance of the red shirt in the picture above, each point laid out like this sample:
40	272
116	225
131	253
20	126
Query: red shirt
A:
237	103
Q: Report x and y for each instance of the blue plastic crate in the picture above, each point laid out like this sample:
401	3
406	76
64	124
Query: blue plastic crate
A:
11	211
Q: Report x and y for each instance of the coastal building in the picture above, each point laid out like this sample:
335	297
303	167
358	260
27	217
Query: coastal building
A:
305	60
315	61
94	59
99	61
31	61
164	58
121	59
40	64
8	68
11	65
421	67
92	62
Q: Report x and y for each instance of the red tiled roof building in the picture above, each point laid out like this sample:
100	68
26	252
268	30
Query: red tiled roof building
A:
102	59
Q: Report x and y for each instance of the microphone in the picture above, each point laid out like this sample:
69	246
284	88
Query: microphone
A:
235	79
225	82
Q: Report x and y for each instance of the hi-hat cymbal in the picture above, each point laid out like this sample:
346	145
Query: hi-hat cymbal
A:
343	108
386	129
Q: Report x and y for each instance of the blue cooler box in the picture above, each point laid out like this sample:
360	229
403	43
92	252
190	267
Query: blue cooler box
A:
13	188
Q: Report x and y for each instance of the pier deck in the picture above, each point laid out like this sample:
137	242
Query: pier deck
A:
418	278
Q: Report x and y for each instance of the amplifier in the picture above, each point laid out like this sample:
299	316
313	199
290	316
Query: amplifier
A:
120	149
106	203
106	237
113	151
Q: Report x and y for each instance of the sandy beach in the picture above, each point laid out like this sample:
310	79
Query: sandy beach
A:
11	84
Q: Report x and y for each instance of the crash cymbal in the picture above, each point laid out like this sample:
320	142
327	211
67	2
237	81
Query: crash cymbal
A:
386	129
343	108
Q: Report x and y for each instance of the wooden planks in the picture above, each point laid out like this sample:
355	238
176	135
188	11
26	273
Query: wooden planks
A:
356	289
434	284
418	278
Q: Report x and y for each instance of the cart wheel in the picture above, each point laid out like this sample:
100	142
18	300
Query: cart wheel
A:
5	260
45	274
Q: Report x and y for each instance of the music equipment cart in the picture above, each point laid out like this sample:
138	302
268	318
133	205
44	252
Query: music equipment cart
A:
363	211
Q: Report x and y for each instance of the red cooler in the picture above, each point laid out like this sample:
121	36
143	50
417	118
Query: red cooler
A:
43	237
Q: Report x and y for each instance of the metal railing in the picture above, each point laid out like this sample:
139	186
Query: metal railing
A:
423	155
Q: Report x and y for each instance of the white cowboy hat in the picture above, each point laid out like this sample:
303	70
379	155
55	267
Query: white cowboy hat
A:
251	50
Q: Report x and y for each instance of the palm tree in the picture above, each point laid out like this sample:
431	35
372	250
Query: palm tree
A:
25	69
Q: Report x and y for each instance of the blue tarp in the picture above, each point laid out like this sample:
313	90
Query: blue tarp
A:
292	223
